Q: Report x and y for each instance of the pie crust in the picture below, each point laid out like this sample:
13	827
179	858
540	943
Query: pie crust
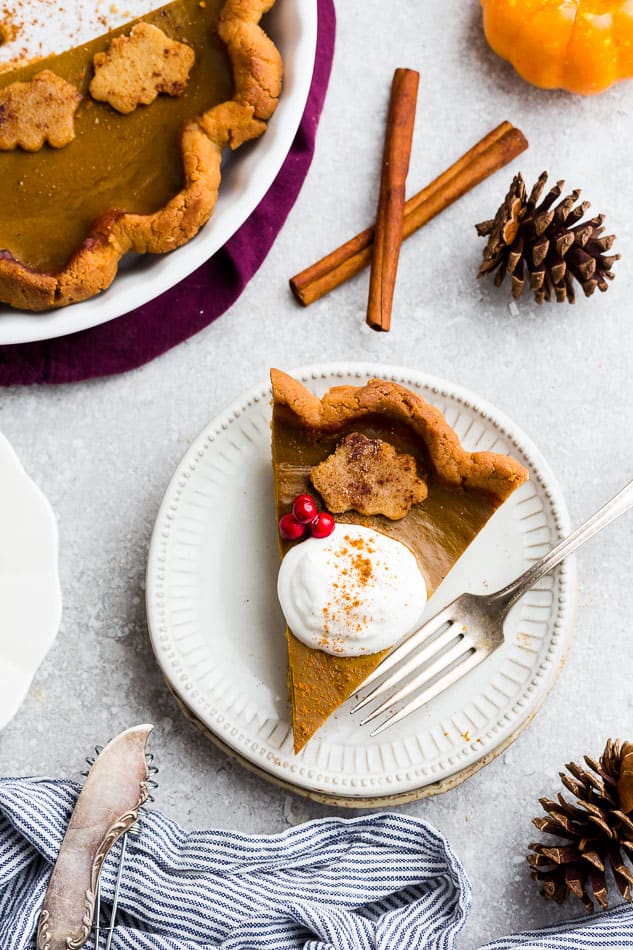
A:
464	490
257	74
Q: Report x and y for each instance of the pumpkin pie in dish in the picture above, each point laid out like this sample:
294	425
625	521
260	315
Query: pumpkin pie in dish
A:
385	471
115	146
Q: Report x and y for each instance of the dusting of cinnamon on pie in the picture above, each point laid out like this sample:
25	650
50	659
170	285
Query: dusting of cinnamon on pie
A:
369	476
342	609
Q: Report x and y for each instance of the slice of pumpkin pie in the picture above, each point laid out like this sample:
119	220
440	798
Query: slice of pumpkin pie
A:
391	500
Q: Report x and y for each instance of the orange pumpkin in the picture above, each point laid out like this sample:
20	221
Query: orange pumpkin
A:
580	45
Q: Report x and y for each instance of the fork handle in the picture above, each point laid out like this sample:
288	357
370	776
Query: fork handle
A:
620	503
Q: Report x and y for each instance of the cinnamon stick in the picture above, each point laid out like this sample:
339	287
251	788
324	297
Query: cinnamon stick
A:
491	153
391	200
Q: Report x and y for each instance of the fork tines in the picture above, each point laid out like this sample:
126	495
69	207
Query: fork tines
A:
422	666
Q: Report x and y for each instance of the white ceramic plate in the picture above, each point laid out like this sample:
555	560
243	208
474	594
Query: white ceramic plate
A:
247	176
30	597
217	630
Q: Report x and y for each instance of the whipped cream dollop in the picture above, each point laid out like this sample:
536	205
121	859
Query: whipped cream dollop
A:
352	593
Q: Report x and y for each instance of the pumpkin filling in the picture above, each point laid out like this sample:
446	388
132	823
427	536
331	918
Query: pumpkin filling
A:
438	531
51	197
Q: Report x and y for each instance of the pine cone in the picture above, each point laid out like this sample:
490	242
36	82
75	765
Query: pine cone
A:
545	245
597	830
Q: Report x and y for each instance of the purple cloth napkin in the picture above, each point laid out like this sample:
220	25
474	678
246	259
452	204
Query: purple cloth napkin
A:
139	336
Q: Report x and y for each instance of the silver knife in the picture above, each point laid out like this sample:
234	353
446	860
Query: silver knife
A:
108	805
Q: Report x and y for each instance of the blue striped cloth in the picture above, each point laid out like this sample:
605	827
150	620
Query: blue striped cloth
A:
383	881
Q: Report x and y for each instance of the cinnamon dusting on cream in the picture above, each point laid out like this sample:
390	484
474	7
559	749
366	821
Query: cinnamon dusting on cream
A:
352	594
342	608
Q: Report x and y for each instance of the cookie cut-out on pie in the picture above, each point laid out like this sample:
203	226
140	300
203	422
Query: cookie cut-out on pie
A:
38	112
370	476
142	183
464	490
138	67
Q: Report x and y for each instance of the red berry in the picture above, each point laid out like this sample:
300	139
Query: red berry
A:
290	529
323	525
304	509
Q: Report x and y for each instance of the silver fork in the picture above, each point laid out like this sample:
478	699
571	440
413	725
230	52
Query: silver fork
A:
469	629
